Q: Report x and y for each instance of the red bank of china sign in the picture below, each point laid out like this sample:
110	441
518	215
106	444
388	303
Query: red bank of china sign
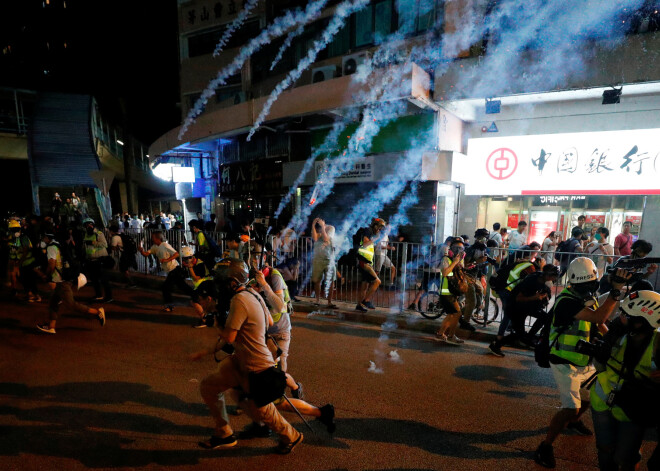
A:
588	163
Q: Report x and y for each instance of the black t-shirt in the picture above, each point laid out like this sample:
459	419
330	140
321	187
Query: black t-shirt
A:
530	285
565	310
200	270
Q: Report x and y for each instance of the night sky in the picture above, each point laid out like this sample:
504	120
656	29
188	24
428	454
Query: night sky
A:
122	52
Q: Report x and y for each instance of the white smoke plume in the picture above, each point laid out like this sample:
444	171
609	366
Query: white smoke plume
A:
234	25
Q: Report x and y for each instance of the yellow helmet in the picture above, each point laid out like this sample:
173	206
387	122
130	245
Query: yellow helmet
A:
14	224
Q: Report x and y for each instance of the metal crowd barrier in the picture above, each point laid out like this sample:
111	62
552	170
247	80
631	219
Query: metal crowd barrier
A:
402	267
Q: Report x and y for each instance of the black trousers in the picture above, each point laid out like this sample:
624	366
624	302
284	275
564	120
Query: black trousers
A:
175	278
99	277
518	318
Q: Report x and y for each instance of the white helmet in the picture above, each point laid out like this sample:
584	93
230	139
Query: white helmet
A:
581	270
186	252
644	304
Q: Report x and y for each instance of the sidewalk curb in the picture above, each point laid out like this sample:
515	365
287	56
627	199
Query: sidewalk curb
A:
406	320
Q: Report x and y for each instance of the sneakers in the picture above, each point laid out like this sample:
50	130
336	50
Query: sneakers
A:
361	308
298	393
545	456
440	337
101	316
580	428
368	304
45	328
454	340
465	325
495	350
328	417
286	448
34	298
200	324
216	442
168	308
414	307
254	431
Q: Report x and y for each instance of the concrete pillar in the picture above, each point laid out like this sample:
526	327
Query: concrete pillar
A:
650	230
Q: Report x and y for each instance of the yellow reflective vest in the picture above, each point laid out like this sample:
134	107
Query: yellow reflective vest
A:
567	338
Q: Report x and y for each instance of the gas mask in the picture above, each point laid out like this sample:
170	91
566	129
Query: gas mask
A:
457	249
586	291
43	245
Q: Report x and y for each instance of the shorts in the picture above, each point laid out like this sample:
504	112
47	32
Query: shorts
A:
569	380
366	275
381	261
448	304
323	269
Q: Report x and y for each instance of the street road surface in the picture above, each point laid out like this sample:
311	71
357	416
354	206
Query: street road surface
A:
125	396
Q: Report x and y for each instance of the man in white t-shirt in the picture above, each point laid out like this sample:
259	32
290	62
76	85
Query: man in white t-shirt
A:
518	238
601	251
136	223
176	276
495	235
63	287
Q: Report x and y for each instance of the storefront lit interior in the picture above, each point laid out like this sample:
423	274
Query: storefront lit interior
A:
560	213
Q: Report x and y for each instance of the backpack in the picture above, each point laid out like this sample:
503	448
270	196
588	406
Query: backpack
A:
543	346
563	248
129	246
71	267
457	283
213	246
498	280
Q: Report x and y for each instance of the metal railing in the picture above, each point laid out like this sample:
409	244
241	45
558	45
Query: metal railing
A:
402	267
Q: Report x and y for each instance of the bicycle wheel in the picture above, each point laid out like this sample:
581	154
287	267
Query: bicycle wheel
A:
433	308
493	312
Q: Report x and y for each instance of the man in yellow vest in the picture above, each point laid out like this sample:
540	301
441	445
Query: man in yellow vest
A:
615	401
574	313
365	256
202	281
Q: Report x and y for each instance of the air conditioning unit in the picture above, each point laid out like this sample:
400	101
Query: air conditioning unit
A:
321	74
349	64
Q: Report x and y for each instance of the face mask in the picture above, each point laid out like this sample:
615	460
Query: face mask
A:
90	230
598	236
549	283
457	249
43	244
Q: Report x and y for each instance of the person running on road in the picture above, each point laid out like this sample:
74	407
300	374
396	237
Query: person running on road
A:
243	324
63	281
364	246
176	276
202	281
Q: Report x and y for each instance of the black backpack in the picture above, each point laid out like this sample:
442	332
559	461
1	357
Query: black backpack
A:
213	246
71	267
498	280
563	248
128	245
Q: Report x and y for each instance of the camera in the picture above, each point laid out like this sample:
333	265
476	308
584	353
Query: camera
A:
210	318
598	349
635	275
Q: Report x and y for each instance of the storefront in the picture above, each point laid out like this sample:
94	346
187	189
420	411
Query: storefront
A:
550	180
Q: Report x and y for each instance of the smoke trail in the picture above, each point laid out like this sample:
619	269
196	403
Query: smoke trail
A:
279	27
234	25
344	10
287	42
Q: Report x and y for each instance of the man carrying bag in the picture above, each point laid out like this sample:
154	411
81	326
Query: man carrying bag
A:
251	367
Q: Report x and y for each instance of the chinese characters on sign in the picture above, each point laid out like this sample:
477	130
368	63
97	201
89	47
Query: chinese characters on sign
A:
612	162
555	199
362	171
247	177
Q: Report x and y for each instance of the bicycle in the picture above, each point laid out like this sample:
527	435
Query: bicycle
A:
433	306
490	316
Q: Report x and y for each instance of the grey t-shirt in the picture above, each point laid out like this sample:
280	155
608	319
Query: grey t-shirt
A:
284	324
247	316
